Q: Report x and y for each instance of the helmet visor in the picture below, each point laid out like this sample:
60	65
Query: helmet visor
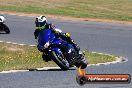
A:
40	25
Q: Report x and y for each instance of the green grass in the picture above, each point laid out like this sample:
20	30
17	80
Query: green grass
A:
14	57
102	9
95	58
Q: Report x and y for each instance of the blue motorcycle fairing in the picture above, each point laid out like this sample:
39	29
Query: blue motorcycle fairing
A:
57	41
70	47
57	50
63	43
46	35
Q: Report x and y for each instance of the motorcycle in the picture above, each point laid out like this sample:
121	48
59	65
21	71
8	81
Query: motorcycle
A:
60	51
3	26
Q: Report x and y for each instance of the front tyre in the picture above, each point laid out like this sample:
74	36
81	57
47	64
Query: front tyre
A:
60	61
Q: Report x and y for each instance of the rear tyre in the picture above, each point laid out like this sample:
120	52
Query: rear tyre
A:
6	29
83	63
60	61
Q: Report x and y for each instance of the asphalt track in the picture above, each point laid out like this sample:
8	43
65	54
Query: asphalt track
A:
110	38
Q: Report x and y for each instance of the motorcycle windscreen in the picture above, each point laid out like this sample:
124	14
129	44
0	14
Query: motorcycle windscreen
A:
44	37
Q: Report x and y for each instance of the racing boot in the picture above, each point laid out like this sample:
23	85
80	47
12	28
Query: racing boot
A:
46	57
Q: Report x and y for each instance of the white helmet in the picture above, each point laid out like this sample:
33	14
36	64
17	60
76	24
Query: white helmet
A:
2	19
40	22
41	19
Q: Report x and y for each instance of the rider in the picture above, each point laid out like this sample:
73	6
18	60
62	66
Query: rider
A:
41	24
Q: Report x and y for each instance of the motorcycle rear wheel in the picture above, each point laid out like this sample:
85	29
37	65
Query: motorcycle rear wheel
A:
83	63
6	29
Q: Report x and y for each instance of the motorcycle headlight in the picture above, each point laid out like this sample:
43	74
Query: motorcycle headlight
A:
46	45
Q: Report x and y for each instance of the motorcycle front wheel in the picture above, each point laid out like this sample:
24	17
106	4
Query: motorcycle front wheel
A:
60	61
